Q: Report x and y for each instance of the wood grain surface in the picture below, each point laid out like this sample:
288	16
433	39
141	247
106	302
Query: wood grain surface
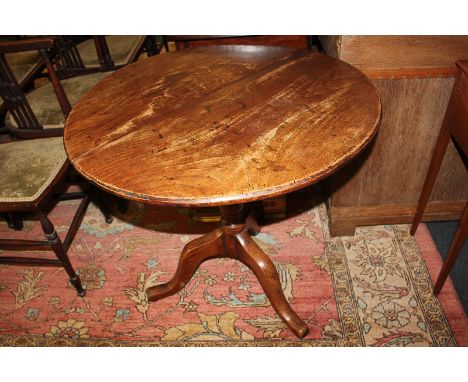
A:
401	155
414	76
221	125
370	53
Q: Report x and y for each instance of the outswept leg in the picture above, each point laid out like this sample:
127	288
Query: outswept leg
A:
209	246
253	256
233	241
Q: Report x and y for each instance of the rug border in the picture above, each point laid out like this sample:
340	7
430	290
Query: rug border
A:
344	295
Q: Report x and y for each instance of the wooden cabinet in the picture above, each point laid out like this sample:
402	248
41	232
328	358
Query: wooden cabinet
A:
414	76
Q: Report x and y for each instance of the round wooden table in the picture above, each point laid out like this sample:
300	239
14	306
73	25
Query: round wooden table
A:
222	126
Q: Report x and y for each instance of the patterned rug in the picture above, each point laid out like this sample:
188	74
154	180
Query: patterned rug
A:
373	289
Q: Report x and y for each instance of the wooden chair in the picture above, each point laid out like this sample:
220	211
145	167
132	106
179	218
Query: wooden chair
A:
32	172
455	127
35	172
100	53
46	107
25	66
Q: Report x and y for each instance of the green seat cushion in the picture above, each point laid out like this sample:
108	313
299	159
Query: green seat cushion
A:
28	167
120	48
44	103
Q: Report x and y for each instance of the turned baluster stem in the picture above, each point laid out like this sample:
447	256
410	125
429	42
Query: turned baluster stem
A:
232	214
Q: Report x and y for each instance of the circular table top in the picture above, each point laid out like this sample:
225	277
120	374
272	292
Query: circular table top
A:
221	125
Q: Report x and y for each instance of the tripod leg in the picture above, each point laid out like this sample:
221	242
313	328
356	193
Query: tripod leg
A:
252	255
207	247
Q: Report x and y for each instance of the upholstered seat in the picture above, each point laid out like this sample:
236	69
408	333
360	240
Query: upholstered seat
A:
34	171
44	103
28	167
121	49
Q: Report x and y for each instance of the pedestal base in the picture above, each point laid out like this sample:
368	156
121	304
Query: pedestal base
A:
232	240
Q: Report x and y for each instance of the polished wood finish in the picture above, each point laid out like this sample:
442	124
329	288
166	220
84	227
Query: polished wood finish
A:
454	126
382	187
217	126
220	126
233	241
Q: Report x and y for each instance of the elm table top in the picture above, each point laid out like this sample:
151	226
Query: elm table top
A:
221	125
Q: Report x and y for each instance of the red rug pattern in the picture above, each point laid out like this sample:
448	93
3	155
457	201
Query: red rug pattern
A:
372	289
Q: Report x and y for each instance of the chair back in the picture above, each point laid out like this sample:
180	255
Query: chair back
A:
13	95
69	61
102	50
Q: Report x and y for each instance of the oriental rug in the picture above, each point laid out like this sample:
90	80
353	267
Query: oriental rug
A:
373	289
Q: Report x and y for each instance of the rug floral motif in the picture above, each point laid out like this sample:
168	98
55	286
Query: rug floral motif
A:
372	289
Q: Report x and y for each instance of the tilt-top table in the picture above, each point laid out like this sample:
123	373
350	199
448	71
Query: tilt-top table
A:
222	126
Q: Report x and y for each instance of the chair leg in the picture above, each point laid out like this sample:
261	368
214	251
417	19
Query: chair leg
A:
455	247
14	221
151	46
122	205
310	42
436	161
102	204
166	44
57	246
